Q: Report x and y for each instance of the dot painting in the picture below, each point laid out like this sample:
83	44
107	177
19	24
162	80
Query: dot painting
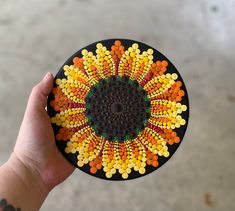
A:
119	109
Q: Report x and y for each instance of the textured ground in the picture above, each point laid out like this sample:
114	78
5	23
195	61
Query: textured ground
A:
197	36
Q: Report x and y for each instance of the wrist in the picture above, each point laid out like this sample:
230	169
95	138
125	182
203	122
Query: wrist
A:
27	180
29	176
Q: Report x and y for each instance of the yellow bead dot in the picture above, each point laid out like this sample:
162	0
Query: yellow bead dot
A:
99	45
110	165
90	54
166	154
102	54
145	59
142	170
73	150
120	171
128	170
67	150
174	76
113	171
124	175
159	153
53	120
66	67
108	174
136	168
177	125
84	52
58	81
182	122
184	107
80	164
132	54
135	46
86	155
58	122
150	51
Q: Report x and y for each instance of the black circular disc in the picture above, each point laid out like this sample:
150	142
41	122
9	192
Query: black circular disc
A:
119	109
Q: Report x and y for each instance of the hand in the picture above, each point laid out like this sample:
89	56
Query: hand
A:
35	146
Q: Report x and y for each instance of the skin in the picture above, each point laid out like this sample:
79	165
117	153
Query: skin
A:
35	166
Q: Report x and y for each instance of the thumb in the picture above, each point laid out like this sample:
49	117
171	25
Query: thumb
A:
38	97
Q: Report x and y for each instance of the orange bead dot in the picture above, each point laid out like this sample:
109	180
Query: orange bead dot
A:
158	63
178	98
170	141
150	156
75	60
178	83
99	166
93	170
59	137
164	63
155	157
117	42
155	163
123	157
149	162
181	93
121	48
92	163
159	85
177	139
113	48
173	134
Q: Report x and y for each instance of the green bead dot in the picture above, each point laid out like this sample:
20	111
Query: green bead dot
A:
137	131
145	122
97	85
89	117
130	81
147	110
94	127
104	135
146	98
116	138
127	137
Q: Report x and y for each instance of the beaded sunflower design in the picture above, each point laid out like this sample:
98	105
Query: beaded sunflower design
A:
119	109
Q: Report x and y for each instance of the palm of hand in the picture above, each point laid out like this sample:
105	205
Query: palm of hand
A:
36	144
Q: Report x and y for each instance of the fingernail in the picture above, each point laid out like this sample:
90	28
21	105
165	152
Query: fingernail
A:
47	76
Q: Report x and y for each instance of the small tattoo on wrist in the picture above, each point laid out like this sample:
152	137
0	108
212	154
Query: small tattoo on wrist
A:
7	207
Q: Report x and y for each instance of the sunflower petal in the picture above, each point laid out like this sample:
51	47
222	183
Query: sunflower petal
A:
109	160
91	66
105	62
138	155
117	50
154	142
160	84
166	108
89	149
74	90
77	140
76	74
70	118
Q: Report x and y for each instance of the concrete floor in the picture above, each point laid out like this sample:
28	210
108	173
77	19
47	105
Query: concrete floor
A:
197	36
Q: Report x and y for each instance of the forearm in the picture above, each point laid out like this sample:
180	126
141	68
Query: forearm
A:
21	186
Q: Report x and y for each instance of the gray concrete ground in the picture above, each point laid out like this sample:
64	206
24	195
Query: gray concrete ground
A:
197	36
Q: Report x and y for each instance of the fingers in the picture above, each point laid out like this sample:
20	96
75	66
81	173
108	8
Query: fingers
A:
38	97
